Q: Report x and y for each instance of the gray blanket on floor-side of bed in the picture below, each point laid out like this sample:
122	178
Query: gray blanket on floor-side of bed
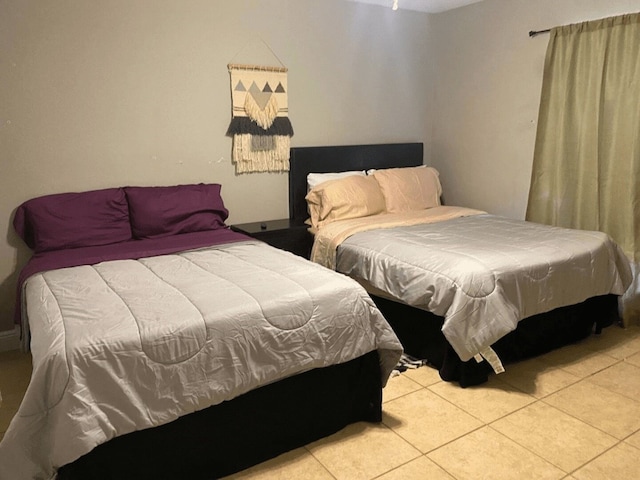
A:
485	273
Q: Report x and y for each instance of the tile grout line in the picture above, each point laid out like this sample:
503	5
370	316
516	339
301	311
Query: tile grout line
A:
326	469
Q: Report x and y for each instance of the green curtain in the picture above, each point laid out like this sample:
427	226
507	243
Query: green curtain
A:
586	167
586	164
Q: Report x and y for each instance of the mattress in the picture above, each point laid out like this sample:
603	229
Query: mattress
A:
126	345
485	273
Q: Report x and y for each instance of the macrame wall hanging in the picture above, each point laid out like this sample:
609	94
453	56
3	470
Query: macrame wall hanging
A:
260	124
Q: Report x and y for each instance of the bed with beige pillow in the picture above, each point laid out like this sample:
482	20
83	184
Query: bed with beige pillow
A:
466	290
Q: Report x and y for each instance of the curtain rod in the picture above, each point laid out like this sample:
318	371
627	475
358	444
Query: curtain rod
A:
533	33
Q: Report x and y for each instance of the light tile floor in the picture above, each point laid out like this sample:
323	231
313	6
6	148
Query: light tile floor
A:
571	414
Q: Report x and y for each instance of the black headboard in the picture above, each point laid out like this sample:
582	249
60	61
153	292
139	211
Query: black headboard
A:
305	160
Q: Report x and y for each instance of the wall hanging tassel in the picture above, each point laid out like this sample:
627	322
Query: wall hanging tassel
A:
263	115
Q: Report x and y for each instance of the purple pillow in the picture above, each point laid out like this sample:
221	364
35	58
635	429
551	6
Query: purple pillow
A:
164	211
71	220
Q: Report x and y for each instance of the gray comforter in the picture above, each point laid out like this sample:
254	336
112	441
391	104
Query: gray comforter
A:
130	344
484	273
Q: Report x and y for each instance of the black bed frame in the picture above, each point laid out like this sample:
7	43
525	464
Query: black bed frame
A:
305	160
419	331
239	433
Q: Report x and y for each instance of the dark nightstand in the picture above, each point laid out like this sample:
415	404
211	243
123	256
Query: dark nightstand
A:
285	234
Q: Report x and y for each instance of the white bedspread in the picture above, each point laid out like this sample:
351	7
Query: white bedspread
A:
131	344
485	273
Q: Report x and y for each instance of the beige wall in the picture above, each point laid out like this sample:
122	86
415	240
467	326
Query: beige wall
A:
487	93
106	93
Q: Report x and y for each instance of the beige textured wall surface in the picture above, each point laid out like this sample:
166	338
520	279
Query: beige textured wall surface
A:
487	94
136	92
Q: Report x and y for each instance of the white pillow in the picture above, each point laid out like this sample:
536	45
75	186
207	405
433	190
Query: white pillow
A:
315	179
371	171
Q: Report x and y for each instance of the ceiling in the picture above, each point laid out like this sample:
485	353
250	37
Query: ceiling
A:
429	6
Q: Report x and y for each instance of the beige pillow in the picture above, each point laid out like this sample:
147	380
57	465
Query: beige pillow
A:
409	188
349	197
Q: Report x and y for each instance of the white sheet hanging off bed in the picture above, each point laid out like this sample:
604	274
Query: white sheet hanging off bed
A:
131	344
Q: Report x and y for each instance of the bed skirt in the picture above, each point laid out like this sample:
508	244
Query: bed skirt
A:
420	333
245	431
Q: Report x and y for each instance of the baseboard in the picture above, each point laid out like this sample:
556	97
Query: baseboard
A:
10	340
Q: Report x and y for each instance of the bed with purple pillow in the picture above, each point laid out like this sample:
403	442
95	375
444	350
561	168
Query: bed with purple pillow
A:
166	345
